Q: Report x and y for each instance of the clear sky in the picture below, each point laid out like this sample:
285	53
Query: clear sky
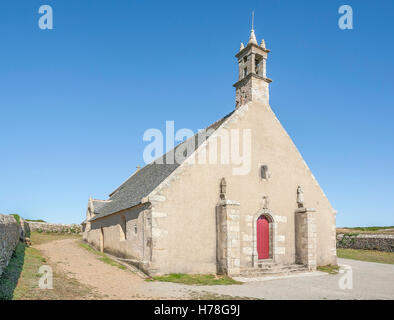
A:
76	100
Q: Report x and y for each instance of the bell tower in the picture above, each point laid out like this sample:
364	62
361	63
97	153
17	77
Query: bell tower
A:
252	84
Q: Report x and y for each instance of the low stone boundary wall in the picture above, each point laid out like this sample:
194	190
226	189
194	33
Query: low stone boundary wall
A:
10	231
54	227
25	228
379	242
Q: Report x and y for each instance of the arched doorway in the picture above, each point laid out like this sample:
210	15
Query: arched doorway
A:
263	238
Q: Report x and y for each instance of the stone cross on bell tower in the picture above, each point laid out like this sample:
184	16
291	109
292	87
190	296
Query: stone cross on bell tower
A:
252	82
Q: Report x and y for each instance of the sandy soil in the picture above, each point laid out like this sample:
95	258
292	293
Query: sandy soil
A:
107	281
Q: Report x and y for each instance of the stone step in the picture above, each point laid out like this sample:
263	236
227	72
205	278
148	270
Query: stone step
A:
273	269
274	266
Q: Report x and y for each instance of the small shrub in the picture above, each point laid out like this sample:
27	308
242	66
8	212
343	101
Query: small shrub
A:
17	217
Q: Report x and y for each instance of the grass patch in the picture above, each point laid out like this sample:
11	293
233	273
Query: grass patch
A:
384	230
331	269
196	279
20	279
17	217
37	220
205	295
89	248
370	228
9	278
112	263
44	237
366	255
103	256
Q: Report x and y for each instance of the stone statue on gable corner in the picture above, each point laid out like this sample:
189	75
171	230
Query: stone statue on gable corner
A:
300	197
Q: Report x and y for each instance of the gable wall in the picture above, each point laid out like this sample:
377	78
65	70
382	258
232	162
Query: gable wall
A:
184	224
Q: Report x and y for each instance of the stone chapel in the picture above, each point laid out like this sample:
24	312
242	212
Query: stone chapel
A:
200	217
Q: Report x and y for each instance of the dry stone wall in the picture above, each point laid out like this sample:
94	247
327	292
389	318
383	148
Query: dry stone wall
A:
379	242
25	228
54	227
9	236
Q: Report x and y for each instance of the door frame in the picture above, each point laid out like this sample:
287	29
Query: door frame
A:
272	232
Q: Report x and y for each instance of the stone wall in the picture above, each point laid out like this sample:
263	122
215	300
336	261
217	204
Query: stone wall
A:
9	237
25	228
54	227
379	242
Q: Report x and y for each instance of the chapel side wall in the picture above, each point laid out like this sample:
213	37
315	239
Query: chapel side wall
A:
184	228
134	246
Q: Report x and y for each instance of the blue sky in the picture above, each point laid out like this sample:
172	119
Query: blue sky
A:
76	100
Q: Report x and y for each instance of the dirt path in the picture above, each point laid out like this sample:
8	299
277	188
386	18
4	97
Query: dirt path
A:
107	281
110	282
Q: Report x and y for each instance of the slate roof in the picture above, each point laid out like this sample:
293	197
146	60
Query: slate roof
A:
145	180
98	204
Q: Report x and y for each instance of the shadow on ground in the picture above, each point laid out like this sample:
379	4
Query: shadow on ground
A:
9	278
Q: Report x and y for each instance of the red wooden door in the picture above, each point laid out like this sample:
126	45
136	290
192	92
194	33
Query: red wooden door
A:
263	238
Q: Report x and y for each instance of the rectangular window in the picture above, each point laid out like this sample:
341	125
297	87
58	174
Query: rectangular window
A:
264	172
245	72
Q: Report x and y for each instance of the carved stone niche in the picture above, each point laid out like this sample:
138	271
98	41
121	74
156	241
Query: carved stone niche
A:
223	189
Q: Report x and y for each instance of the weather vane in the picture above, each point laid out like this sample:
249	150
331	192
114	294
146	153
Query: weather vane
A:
252	20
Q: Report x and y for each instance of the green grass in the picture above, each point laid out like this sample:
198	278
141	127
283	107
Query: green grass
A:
20	279
89	248
103	256
370	228
9	278
366	255
205	295
43	237
38	220
17	217
112	263
376	229
196	279
331	269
